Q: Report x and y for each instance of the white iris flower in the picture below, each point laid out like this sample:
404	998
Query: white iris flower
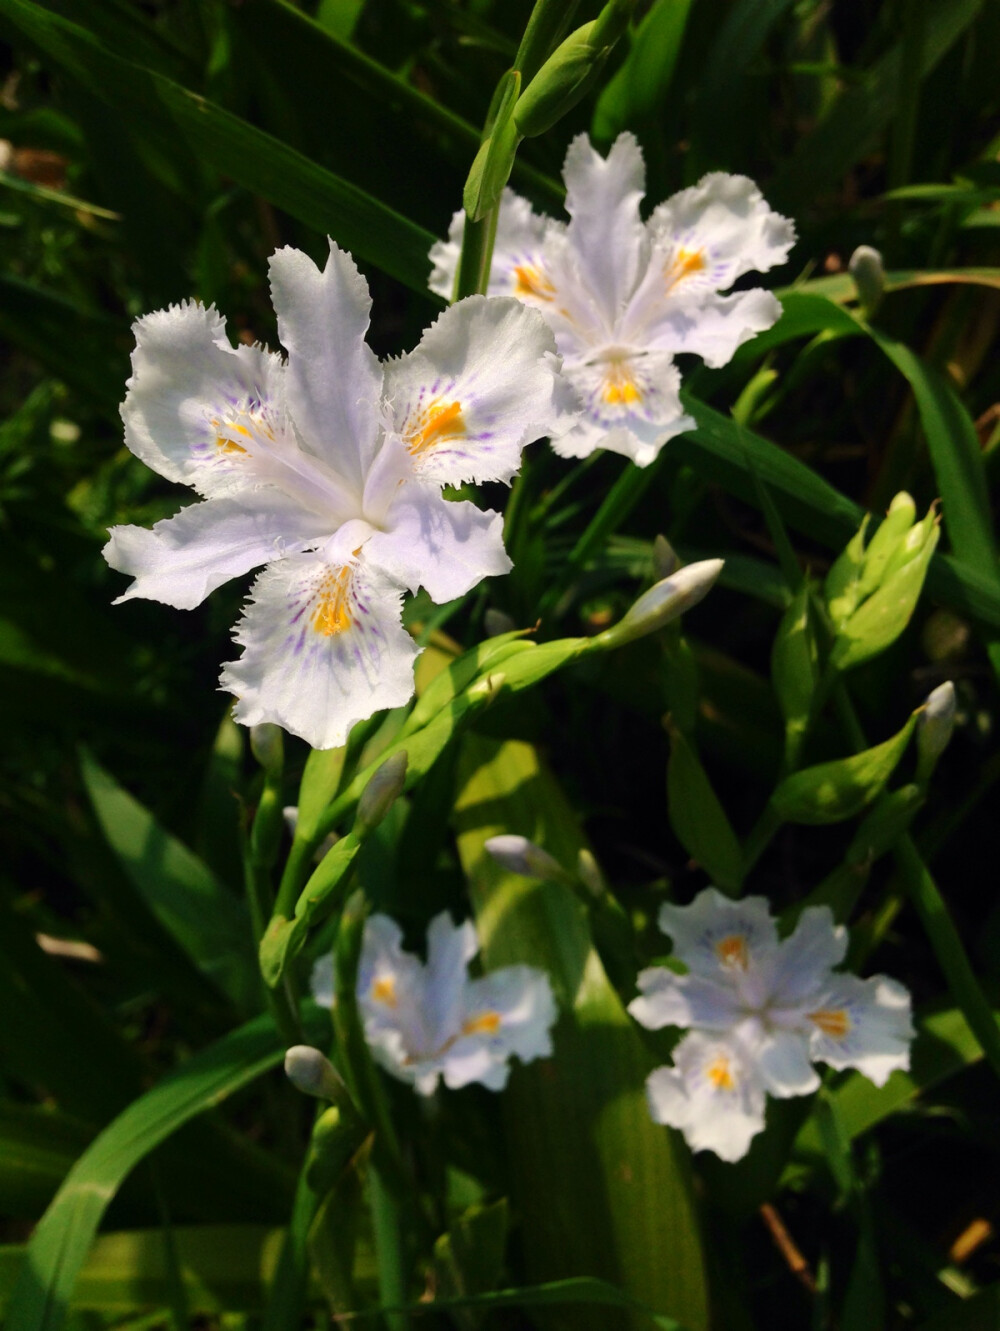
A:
760	1012
424	1021
327	468
624	296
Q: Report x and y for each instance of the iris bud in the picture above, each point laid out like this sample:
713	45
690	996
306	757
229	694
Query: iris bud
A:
381	793
665	601
518	855
868	271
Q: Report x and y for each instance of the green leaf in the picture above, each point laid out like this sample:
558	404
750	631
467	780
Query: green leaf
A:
37	1147
598	1186
578	1290
643	79
831	792
257	161
943	1046
226	1268
794	666
881	618
59	1245
698	819
862	111
469	1258
208	921
74	344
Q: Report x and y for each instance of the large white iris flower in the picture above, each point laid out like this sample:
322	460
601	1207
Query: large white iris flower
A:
327	468
425	1021
760	1012
624	296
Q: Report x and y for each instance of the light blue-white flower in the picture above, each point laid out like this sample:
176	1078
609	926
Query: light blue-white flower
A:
327	469
760	1011
426	1021
624	296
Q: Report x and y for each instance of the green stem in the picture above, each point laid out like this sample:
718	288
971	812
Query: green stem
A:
548	24
287	1295
951	955
389	1250
477	254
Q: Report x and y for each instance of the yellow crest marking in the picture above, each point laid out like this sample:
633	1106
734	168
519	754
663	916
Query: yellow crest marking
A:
332	614
487	1023
732	951
686	263
832	1021
384	990
719	1074
441	420
620	389
532	282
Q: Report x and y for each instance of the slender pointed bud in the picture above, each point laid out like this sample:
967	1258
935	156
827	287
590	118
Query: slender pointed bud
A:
381	793
934	728
267	745
666	560
868	271
496	622
664	601
518	855
312	1073
589	873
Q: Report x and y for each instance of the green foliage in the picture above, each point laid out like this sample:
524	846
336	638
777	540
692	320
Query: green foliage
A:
148	1153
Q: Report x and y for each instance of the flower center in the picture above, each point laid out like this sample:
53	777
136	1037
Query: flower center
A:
732	951
384	990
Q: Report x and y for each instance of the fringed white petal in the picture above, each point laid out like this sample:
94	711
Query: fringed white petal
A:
323	649
717	937
718	230
181	559
606	232
194	403
334	378
446	546
863	1024
481	385
711	1094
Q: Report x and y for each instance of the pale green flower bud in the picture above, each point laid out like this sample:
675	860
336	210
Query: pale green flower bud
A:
868	271
665	601
267	746
518	855
312	1073
381	793
934	728
589	873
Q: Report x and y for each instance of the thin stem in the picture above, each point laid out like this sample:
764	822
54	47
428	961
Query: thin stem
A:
951	955
287	1295
389	1250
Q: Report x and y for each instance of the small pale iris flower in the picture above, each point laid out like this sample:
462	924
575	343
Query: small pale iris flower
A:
429	1020
327	468
759	1012
624	296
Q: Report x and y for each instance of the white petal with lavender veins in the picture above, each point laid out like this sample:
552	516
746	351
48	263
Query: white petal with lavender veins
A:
194	403
323	648
720	938
478	388
181	559
711	1094
863	1024
519	266
716	231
